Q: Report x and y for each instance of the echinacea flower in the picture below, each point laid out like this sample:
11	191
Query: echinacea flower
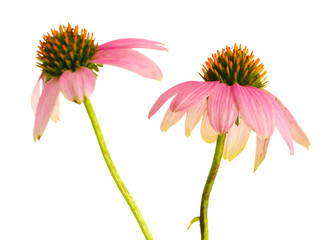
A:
69	60
232	100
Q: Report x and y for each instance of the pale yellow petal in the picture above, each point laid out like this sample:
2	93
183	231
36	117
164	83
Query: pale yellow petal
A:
170	119
261	150
194	114
209	135
236	140
56	111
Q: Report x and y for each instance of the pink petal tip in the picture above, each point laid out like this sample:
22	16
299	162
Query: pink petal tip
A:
130	60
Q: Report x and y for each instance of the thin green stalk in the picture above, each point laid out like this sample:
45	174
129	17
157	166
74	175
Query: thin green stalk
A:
208	186
114	173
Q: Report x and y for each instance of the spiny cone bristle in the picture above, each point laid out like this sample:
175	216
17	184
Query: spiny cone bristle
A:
66	49
234	65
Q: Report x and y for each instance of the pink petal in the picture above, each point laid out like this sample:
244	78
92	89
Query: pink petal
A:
170	119
296	131
255	109
45	107
132	43
191	95
236	140
221	108
194	114
209	135
35	99
130	60
261	150
282	124
77	86
36	94
167	95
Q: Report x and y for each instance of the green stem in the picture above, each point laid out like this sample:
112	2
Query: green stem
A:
114	173
208	186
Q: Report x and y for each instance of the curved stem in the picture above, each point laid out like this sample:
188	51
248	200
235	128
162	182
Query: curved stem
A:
208	186
114	173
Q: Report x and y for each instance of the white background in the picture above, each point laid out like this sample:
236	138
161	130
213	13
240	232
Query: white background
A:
60	187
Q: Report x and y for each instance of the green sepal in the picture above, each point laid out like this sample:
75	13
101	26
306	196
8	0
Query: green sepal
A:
237	121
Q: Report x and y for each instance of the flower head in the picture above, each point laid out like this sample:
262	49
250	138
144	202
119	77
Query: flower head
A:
232	100
235	66
64	50
70	59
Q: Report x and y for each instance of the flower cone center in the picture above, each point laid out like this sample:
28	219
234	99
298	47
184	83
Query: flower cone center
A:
235	65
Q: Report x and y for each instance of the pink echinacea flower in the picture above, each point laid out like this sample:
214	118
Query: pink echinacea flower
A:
232	101
69	61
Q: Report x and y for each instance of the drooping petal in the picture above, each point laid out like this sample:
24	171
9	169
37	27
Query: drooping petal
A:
130	60
191	95
55	116
45	107
167	95
261	150
170	119
296	131
282	124
221	108
255	109
77	86
209	135
35	99
194	114
36	94
132	43
236	140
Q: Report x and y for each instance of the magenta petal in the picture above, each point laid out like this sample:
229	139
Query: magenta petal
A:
130	60
132	43
192	95
221	108
35	99
45	107
282	124
296	131
256	109
36	94
167	95
261	150
77	86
